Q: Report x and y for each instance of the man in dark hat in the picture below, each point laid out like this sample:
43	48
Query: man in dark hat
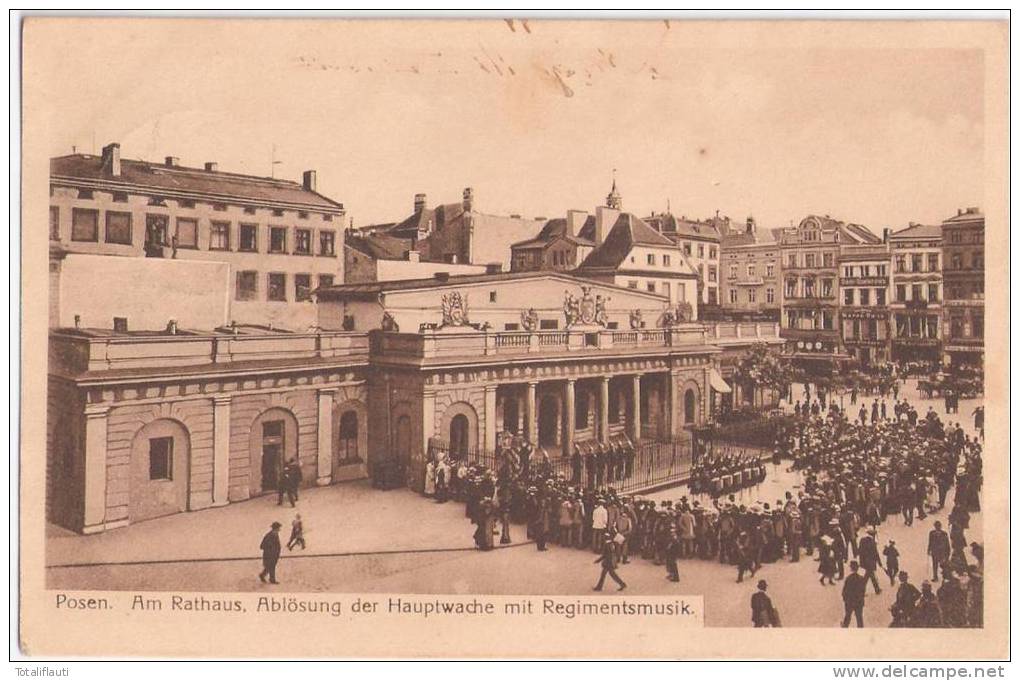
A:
853	596
608	562
270	553
906	601
938	549
763	614
870	560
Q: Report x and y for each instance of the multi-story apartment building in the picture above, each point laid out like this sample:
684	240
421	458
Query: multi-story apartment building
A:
915	286
700	241
277	238
864	302
963	271
750	274
810	297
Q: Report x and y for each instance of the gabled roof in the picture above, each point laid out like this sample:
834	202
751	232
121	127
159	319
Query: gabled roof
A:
629	231
157	178
553	230
380	246
917	231
667	223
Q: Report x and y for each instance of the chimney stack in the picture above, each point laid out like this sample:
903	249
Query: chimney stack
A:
419	203
469	196
172	161
575	221
750	224
605	218
308	180
211	166
120	325
111	159
885	235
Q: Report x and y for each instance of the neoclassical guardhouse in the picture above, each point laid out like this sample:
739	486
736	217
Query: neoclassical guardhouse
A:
148	423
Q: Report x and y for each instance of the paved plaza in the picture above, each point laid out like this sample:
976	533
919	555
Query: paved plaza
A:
365	540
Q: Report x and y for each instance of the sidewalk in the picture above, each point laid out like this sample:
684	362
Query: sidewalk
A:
350	517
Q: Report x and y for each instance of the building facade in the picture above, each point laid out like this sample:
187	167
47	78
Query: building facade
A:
864	302
700	242
279	239
751	273
916	292
963	272
142	424
810	293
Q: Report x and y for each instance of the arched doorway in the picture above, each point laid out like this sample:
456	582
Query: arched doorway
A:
460	434
160	468
548	421
272	443
690	406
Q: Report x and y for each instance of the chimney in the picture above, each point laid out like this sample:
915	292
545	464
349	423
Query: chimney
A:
419	203
211	166
750	224
973	210
308	180
575	221
605	218
493	268
172	161
111	159
120	325
413	256
885	235
469	195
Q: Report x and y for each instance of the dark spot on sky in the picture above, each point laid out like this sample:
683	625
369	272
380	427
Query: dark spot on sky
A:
702	151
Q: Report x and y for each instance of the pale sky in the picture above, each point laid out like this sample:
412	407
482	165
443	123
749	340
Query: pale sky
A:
536	118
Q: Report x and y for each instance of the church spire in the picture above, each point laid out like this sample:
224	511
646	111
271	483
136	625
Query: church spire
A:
614	200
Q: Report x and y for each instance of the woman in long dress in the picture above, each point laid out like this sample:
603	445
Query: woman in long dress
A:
826	561
430	479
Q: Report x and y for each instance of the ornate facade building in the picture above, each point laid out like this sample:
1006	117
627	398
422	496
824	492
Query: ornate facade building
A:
963	264
864	302
751	272
148	423
915	305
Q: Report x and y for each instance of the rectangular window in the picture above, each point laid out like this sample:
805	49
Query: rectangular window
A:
249	210
631	284
665	261
277	239
681	292
770	271
687	248
733	296
933	292
247	285
901	263
187	203
120	197
701	250
915	263
219	236
827	260
650	286
957	261
118	228
880	297
713	296
791	288
219	206
161	458
809	260
848	296
187	233
302	287
752	295
977	326
977	260
327	242
548	324
651	258
933	262
827	320
791	260
277	287
916	292
712	252
901	293
84	224
249	238
327	217
865	297
770	295
278	212
881	270
55	223
712	274
827	288
809	288
865	270
750	270
733	271
848	272
325	280
511	327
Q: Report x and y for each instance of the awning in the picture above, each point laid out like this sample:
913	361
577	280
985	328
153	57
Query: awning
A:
718	383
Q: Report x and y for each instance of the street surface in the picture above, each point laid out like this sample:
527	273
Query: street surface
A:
364	540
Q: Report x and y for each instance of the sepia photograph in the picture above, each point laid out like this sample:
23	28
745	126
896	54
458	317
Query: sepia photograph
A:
665	328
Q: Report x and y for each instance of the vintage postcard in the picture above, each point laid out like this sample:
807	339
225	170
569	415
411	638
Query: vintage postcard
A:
514	338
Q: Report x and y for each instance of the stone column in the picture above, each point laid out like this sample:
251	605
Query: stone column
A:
675	421
568	417
221	450
635	433
428	419
604	410
325	459
490	418
95	468
532	417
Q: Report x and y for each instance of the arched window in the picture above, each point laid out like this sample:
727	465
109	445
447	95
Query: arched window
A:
459	427
690	406
347	447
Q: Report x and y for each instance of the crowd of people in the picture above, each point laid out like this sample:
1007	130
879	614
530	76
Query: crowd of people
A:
857	474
